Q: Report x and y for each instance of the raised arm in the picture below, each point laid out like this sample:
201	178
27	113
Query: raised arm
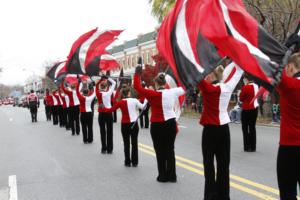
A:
234	78
112	87
142	91
68	92
80	96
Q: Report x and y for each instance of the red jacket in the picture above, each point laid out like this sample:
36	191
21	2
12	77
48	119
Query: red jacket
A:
128	108
289	90
162	102
48	100
248	92
216	97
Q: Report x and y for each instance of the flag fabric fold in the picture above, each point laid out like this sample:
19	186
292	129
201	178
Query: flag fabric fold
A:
108	62
57	70
180	41
84	56
236	34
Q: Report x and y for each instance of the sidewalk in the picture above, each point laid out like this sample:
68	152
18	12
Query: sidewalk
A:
260	121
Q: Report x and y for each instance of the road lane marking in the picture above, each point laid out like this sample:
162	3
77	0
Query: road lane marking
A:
232	184
180	126
12	183
233	177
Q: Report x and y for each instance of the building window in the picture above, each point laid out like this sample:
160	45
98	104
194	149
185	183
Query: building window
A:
128	62
132	61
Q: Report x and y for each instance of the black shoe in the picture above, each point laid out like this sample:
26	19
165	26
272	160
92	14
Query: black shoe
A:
162	179
103	151
73	134
109	152
134	165
85	142
173	179
127	164
68	129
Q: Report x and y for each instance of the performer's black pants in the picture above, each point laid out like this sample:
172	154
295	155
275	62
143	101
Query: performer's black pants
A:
33	112
288	171
60	116
216	143
115	116
55	115
74	119
66	117
249	131
48	113
163	136
144	119
86	119
105	121
130	135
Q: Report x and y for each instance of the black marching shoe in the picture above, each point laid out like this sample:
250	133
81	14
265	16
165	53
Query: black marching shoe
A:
162	179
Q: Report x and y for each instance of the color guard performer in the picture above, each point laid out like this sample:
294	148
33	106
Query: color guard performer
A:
73	108
105	119
48	102
163	126
216	134
288	160
129	127
86	99
249	113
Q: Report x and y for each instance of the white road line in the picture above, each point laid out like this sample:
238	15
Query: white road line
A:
182	126
12	183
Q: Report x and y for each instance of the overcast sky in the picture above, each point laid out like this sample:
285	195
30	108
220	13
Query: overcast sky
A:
35	31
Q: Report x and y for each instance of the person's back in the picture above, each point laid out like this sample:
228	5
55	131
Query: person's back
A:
289	90
288	159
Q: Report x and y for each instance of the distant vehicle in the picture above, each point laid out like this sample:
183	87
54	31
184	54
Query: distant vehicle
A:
6	102
24	102
11	101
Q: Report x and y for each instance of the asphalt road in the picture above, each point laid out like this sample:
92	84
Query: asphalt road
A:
50	164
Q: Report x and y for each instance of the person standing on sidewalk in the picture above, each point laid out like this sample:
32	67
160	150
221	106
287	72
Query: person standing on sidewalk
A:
216	134
249	113
288	160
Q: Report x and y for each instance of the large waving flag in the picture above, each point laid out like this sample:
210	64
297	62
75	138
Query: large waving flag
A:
180	41
84	57
228	25
57	70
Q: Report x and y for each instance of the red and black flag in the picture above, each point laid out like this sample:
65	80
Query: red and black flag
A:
73	78
57	70
108	62
85	54
180	41
236	34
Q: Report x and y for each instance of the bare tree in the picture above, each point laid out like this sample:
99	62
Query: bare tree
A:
47	82
278	17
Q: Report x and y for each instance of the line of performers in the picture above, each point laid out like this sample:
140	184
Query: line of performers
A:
163	128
